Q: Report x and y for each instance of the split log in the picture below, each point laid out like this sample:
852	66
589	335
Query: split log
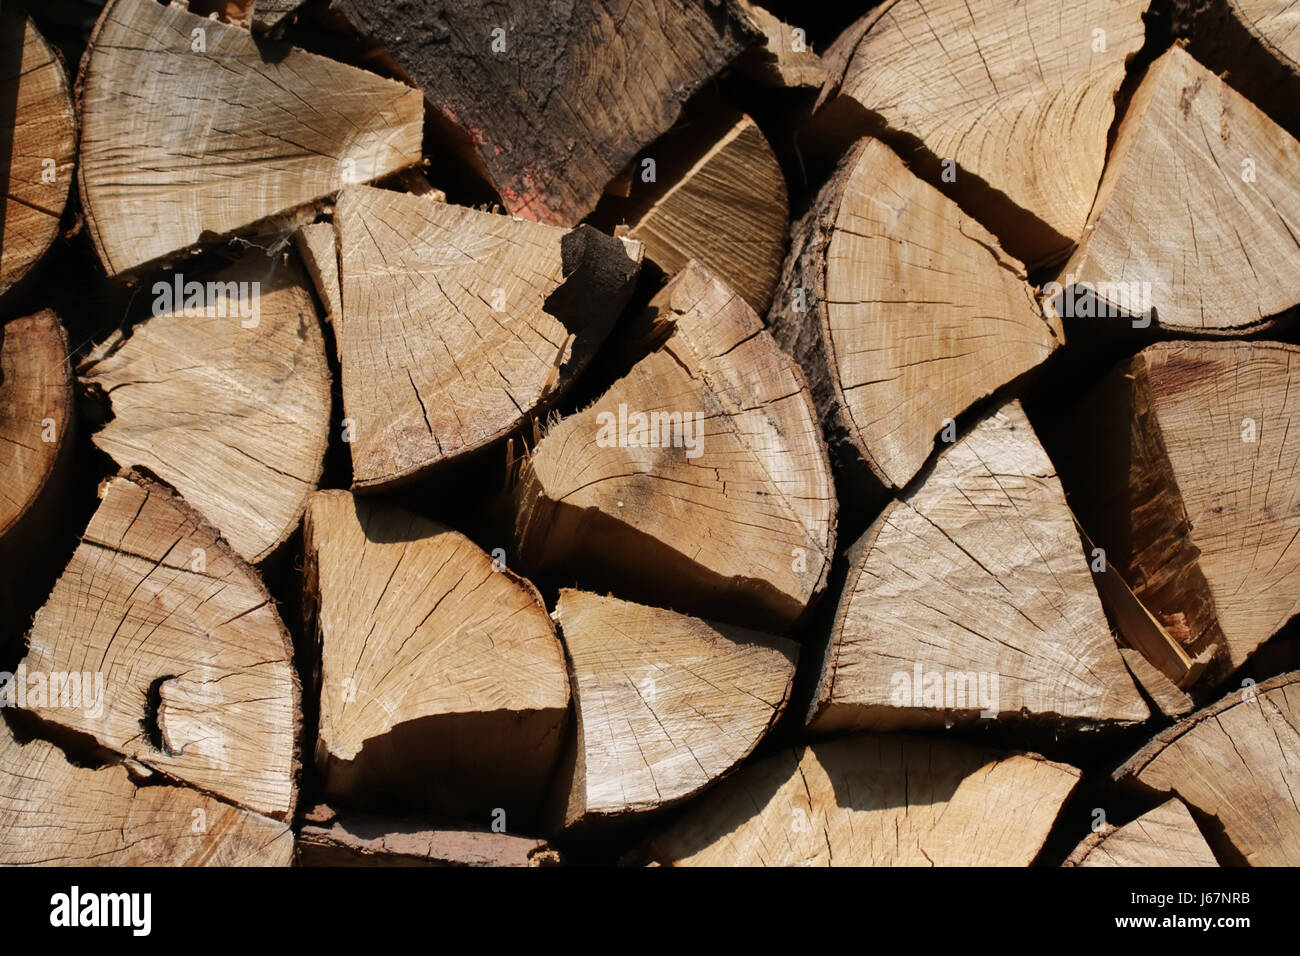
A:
365	840
903	312
970	597
784	58
38	140
664	704
442	681
517	81
191	131
225	395
1233	764
36	423
701	476
1168	698
1253	44
1197	501
1165	836
874	801
54	813
1219	253
191	666
979	95
270	14
319	251
720	199
458	325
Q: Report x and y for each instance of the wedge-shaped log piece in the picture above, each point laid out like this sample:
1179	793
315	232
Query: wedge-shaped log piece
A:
971	596
903	312
1165	836
358	839
318	248
1197	500
701	476
1234	764
1255	44
980	94
54	813
784	58
442	680
196	667
874	801
1219	253
191	130
459	324
36	400
225	395
665	704
727	208
38	140
546	93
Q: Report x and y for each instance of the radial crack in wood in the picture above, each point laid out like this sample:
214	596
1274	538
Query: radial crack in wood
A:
38	141
1196	500
903	312
719	198
980	95
458	325
518	81
1165	836
665	704
191	668
1216	254
442	681
191	130
1234	764
701	476
53	813
969	598
874	801
225	395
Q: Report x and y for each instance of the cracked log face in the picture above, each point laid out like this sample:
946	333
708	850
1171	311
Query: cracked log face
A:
874	801
728	506
903	312
442	680
197	669
665	704
1234	765
1165	836
518	80
191	131
971	597
725	205
38	140
229	403
1197	502
994	89
54	813
231	406
458	325
36	400
1219	252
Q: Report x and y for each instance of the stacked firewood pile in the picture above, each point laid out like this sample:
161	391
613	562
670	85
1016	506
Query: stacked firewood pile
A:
671	432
